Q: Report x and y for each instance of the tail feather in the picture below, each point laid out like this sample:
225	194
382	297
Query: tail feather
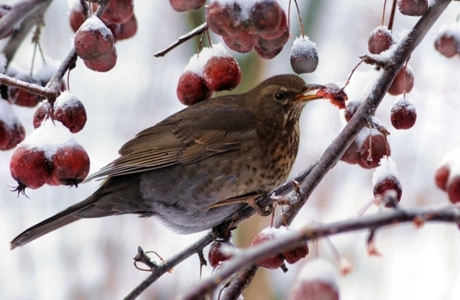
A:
59	220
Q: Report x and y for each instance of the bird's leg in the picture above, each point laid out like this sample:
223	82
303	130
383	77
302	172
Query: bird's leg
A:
250	200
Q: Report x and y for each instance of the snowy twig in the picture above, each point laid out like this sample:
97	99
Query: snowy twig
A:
245	257
197	31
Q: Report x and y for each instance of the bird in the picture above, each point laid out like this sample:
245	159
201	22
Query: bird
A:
201	165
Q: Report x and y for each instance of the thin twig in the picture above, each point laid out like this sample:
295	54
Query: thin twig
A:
197	31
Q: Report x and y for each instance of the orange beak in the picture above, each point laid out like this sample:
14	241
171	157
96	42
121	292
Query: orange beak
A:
309	93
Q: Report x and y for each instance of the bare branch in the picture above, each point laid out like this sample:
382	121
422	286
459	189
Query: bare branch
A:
197	31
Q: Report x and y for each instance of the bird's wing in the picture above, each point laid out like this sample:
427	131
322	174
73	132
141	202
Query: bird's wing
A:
188	136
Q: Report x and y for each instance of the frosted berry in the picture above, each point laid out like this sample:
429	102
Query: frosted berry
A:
268	234
42	112
350	110
22	97
221	73
380	40
304	56
184	5
77	15
387	184
448	40
93	39
70	112
125	30
70	165
334	93
223	19
216	255
403	114
191	89
373	148
412	7
403	82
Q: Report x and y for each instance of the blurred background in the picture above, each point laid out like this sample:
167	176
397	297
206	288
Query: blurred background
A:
92	259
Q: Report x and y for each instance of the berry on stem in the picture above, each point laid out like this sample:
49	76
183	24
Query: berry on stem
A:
304	56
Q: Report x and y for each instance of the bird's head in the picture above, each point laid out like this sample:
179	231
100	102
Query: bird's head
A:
281	98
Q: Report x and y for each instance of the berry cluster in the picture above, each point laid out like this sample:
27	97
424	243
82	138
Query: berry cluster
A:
274	262
95	38
249	24
50	154
211	70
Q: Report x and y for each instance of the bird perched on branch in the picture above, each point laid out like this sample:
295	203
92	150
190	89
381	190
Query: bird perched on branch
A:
201	165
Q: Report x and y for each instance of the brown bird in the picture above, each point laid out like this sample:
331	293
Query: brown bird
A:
201	165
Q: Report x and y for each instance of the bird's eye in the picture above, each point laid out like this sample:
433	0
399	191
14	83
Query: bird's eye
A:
280	96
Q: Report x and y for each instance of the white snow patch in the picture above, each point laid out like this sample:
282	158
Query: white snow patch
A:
245	5
7	114
198	61
387	168
49	137
93	23
66	99
303	47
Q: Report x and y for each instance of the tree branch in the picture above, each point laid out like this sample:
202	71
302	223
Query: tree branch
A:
197	31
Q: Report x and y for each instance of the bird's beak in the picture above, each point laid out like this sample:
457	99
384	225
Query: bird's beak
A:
309	93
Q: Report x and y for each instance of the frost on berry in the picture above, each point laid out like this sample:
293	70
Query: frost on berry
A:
317	281
93	39
380	40
412	7
373	145
11	130
218	252
403	114
350	109
69	110
334	93
386	182
268	234
448	40
304	56
403	82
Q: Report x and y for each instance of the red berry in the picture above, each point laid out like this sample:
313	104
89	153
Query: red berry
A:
191	89
223	20
11	135
268	234
412	7
283	27
42	112
184	5
373	148
118	11
352	155
403	114
29	167
70	112
448	40
384	185
77	15
268	49
334	93
216	255
403	82
70	165
380	40
441	177
294	255
265	17
93	39
125	30
241	42
103	62
268	54
221	73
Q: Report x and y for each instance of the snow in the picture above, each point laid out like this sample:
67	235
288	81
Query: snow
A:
319	269
66	99
198	61
93	23
245	6
303	47
7	114
49	137
75	4
450	30
387	168
402	102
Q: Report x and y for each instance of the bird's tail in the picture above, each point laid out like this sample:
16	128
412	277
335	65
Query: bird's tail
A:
59	220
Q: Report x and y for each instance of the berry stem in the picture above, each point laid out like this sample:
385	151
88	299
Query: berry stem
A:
392	15
383	12
302	32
